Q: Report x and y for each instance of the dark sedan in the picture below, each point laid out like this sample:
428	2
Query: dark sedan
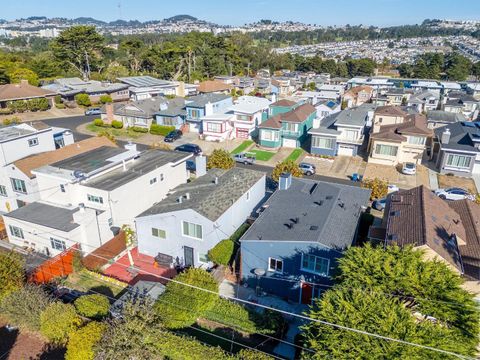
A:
173	135
190	148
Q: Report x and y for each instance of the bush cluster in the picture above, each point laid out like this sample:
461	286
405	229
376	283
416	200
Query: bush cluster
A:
104	99
117	124
83	100
82	342
378	187
139	129
163	130
222	253
58	321
93	306
20	106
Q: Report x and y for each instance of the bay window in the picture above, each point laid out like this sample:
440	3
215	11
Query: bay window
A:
459	161
269	135
214	127
324	143
389	150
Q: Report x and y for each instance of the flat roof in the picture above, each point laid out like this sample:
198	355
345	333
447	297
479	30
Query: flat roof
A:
144	81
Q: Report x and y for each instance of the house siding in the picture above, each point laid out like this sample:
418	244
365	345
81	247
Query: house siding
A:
444	170
177	120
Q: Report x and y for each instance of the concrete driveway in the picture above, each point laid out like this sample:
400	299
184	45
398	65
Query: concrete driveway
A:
341	166
392	175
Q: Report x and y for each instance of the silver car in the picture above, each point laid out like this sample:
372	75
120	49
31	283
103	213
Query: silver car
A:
454	194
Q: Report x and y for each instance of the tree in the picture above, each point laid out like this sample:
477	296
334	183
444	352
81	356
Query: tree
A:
134	48
78	47
45	65
175	317
286	166
94	306
104	99
220	159
114	71
475	71
457	67
24	74
4	78
378	187
58	321
83	99
23	307
82	342
12	272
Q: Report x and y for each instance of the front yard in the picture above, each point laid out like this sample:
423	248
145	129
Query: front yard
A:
445	181
242	147
262	155
295	154
118	133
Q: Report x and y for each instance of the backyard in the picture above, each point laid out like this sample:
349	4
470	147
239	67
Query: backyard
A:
85	281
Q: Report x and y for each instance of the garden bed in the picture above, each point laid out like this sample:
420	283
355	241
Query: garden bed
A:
445	181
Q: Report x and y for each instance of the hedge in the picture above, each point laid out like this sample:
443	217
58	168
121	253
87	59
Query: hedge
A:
117	124
93	306
163	130
37	104
222	253
100	123
139	129
104	99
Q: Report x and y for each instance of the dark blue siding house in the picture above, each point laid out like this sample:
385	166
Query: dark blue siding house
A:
302	231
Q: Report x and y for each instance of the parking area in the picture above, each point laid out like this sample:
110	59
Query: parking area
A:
341	166
392	175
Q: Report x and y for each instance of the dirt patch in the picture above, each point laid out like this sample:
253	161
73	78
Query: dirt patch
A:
18	344
445	181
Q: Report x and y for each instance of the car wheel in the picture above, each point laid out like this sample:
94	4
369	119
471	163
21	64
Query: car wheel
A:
309	173
245	163
443	197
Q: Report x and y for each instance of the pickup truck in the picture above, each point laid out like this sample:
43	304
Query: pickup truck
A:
244	158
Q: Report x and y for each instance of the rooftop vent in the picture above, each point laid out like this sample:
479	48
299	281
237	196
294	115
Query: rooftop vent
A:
180	199
295	220
328	197
394	213
313	188
289	225
314	227
342	205
319	203
215	181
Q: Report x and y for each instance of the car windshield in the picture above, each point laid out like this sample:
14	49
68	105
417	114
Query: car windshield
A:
409	165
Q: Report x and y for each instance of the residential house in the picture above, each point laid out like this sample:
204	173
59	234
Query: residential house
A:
379	84
324	109
426	85
288	129
474	90
218	127
456	149
449	86
458	102
19	185
387	115
245	85
281	86
424	101
341	133
249	113
397	96
214	86
85	199
174	115
439	118
263	86
302	229
144	87
198	106
225	79
23	91
331	91
69	87
443	230
198	215
358	95
400	143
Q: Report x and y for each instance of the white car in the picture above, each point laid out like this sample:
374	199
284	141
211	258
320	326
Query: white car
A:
454	194
409	168
392	188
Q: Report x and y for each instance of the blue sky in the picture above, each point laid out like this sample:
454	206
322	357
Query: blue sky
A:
325	12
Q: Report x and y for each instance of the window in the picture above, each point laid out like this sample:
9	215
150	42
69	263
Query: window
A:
192	230
386	150
203	258
19	186
110	222
275	265
161	177
62	188
269	135
214	127
3	190
57	244
416	140
459	161
95	199
315	264
16	231
33	142
168	121
324	143
350	134
291	127
244	117
194	114
153	181
159	233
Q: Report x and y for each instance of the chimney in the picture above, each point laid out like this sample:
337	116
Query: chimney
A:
109	111
216	180
200	165
209	108
180	199
445	138
187	196
284	181
131	146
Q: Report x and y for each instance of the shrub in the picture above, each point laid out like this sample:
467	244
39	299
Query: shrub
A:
247	354
175	317
57	99
163	130
58	321
378	187
93	306
104	99
6	111
39	104
24	306
98	122
117	124
222	253
231	314
220	159
139	129
60	106
83	100
10	121
82	342
286	166
109	136
18	106
12	273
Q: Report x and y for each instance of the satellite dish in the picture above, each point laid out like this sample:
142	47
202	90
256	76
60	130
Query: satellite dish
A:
259	272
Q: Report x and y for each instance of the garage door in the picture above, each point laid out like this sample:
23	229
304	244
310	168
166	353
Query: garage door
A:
345	150
242	133
290	143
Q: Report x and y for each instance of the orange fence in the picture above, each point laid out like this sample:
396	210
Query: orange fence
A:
60	265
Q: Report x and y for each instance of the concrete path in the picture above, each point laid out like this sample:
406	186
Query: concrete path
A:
476	179
433	179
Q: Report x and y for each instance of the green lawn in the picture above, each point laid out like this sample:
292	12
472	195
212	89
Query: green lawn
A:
115	132
262	155
295	154
84	281
242	147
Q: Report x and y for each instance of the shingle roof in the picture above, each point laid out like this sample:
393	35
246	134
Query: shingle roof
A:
35	161
414	125
299	114
284	102
444	116
273	122
354	91
207	198
211	86
390	111
462	134
22	91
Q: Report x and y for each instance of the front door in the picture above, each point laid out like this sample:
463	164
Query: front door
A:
188	255
307	291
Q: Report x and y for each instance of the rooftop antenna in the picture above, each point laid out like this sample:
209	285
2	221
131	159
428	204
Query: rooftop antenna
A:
119	5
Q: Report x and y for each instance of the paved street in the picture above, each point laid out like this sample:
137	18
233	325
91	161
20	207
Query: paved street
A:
71	123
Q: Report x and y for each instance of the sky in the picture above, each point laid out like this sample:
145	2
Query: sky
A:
231	12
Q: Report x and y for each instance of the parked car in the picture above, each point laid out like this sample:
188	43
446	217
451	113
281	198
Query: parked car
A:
409	168
190	148
173	135
392	188
379	204
307	169
93	111
454	194
244	158
191	166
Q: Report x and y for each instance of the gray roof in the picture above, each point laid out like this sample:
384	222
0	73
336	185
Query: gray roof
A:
327	126
176	107
12	132
462	136
145	108
354	117
207	198
200	101
53	217
70	86
144	81
444	116
146	162
327	213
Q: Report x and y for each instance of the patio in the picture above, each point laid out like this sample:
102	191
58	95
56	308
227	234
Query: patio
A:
144	269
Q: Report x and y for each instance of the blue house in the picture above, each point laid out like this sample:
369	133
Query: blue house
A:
203	105
296	240
173	115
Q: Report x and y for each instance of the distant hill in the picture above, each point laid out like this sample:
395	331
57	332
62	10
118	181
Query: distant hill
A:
88	20
178	18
